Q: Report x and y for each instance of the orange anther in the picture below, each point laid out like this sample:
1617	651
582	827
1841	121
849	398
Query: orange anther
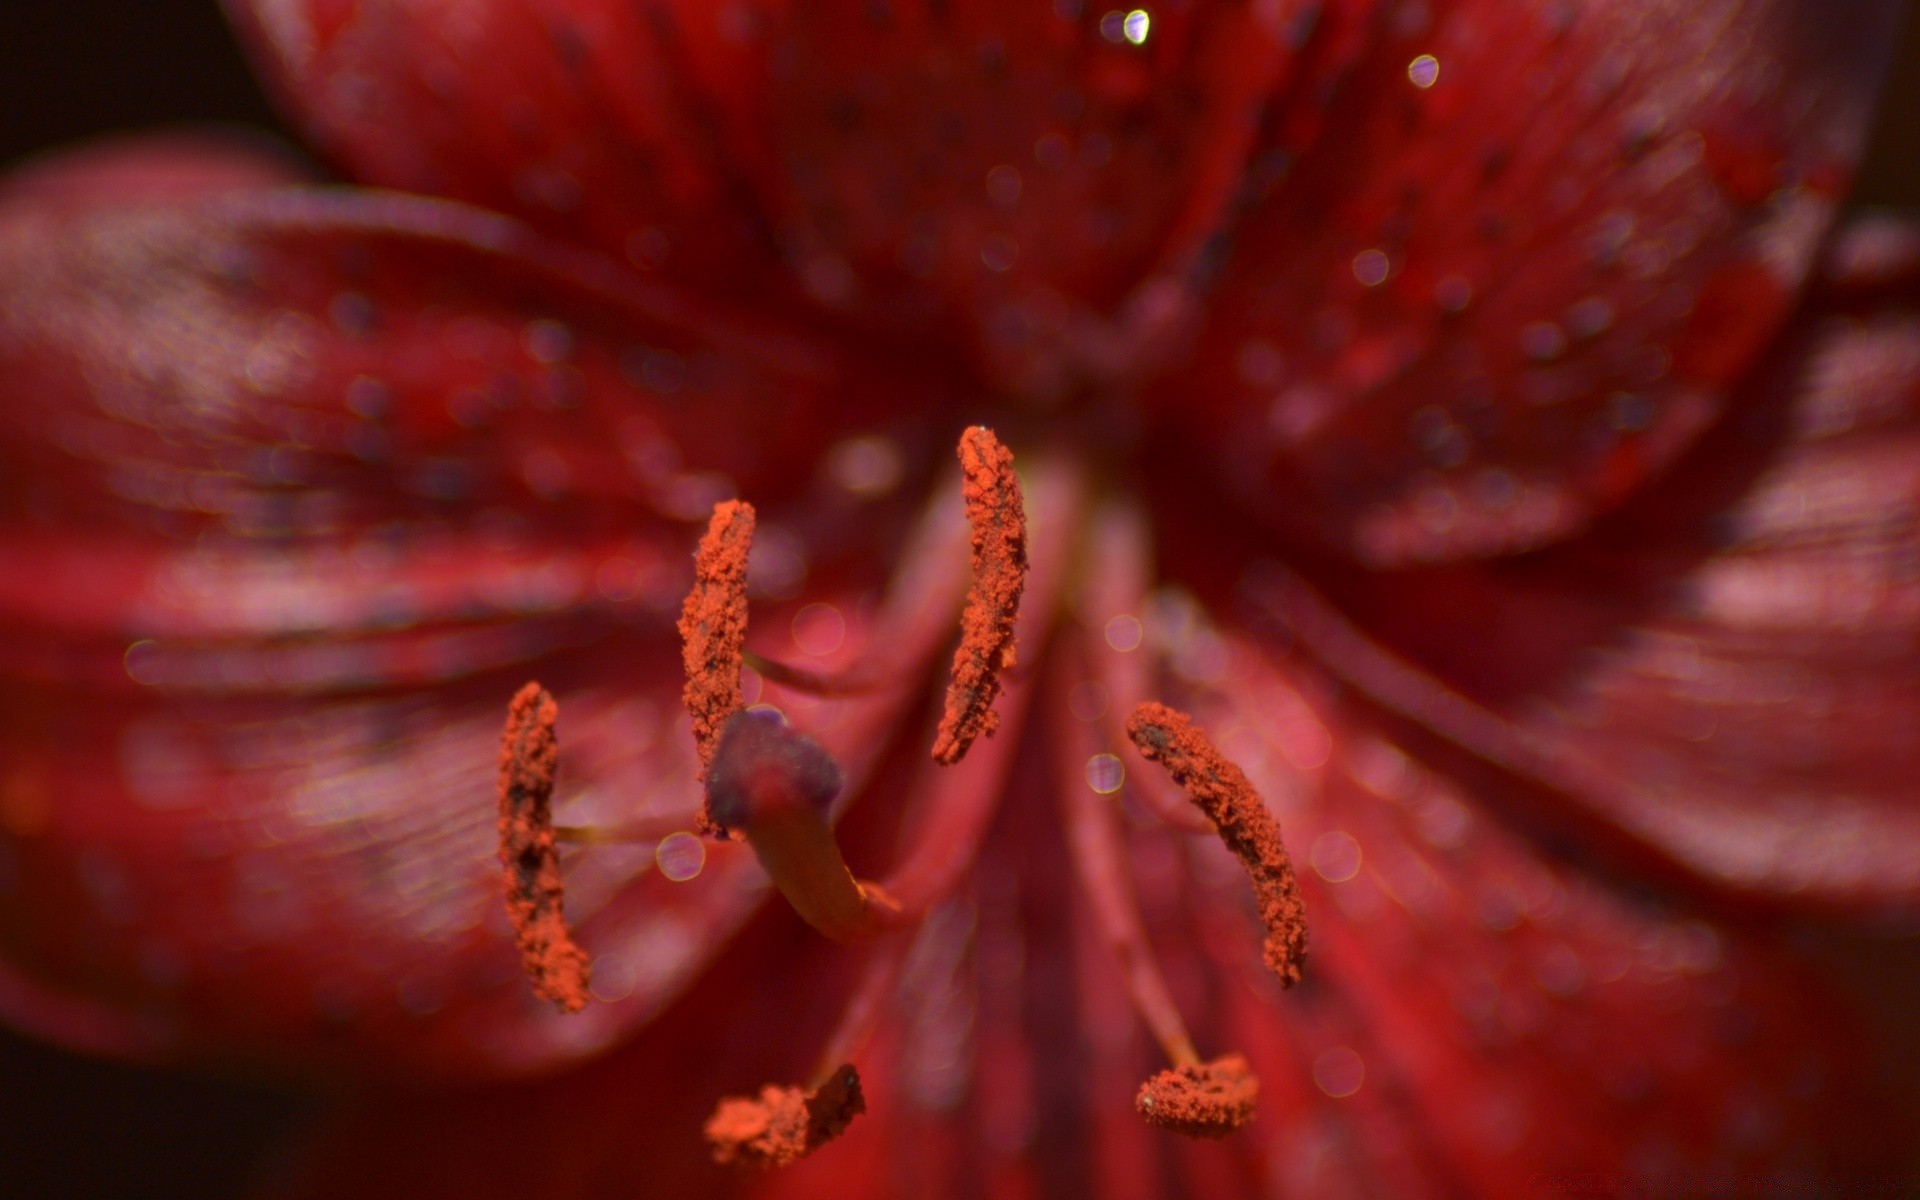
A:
1201	1100
1221	791
529	759
785	1124
713	628
997	516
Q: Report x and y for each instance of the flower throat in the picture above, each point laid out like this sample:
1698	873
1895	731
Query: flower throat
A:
768	784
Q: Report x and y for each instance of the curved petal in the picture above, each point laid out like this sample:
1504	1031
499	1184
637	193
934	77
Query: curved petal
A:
177	165
1518	271
296	487
590	119
1002	179
1475	1013
1726	669
1031	181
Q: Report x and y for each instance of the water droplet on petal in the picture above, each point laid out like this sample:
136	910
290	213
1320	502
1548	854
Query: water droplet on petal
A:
1105	774
1339	1072
680	857
1370	267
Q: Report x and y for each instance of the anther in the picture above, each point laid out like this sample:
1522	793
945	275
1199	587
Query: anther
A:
785	1124
1209	1099
713	628
1221	791
777	787
529	760
997	517
713	623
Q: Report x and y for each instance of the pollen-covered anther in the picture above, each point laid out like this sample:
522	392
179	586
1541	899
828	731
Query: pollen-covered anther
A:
529	760
997	517
1223	793
713	628
1210	1099
785	1124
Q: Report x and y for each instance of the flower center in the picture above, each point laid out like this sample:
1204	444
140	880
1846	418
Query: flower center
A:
770	785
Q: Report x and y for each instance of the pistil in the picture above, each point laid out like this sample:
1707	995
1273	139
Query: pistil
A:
776	787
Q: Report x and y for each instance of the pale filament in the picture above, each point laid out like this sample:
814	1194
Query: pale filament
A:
1100	860
1117	576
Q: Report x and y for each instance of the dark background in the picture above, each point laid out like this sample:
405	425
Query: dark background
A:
75	1129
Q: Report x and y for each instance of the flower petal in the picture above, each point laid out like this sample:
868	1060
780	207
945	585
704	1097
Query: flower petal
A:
612	124
1024	183
1518	271
1725	669
296	488
1029	182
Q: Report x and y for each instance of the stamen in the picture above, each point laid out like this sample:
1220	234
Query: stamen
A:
777	787
713	628
997	517
1221	791
959	804
529	759
1210	1099
1201	1099
785	1124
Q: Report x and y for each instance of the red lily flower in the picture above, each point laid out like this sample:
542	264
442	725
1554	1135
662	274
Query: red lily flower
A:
1408	391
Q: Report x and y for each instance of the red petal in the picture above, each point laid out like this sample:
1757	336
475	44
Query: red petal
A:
296	487
610	123
164	166
1032	181
1476	314
1726	669
997	177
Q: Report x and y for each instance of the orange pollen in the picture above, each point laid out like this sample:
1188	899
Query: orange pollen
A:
997	516
785	1124
529	760
1202	1100
1221	791
713	628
